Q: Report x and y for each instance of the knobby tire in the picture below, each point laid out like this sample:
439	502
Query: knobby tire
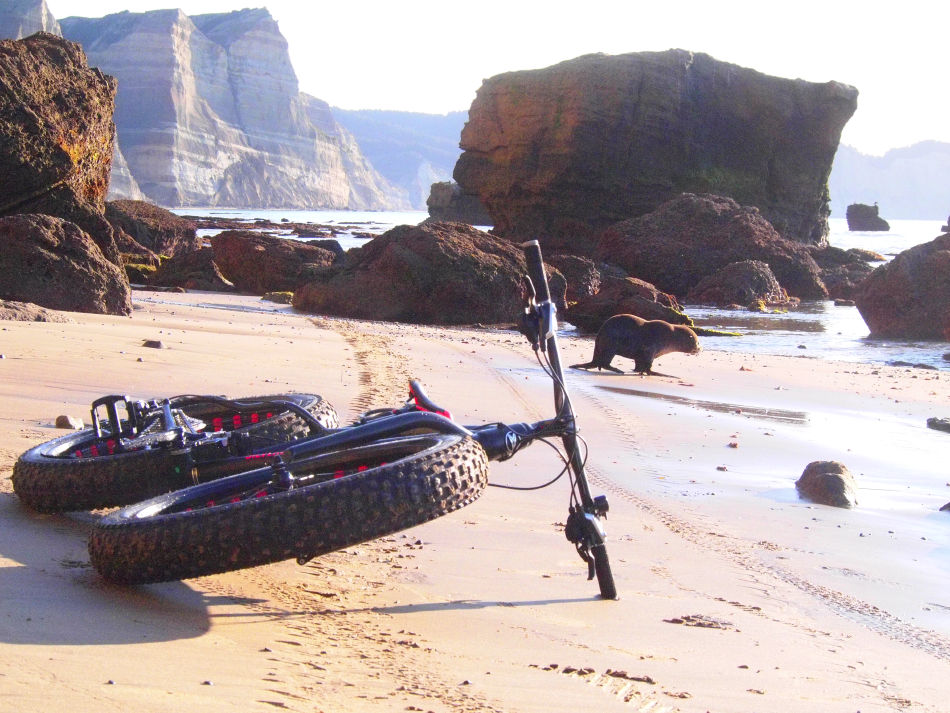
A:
175	537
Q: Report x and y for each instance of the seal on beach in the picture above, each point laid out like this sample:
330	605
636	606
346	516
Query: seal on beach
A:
643	341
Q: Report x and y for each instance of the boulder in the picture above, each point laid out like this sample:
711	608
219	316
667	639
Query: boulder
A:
909	297
843	270
692	236
192	271
939	424
157	229
446	202
865	218
565	151
624	295
432	273
828	482
56	123
747	283
257	263
580	273
52	263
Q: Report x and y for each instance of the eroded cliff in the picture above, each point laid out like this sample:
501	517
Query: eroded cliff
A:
209	112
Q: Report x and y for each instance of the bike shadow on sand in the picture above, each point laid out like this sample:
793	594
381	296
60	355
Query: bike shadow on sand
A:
51	595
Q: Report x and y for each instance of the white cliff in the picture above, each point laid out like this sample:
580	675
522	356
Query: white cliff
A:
209	113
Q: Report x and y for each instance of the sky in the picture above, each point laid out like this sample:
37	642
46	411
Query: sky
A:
432	55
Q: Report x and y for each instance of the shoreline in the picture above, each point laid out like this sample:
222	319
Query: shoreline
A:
734	594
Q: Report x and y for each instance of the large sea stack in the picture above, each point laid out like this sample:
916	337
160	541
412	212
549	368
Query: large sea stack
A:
562	152
209	112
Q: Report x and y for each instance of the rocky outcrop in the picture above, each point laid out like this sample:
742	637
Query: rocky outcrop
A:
692	236
258	263
909	297
446	202
209	113
624	295
828	482
865	217
432	273
22	18
56	124
582	277
52	263
192	271
155	228
843	271
749	283
562	152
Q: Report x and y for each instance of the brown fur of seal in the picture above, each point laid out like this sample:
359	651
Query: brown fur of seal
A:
643	341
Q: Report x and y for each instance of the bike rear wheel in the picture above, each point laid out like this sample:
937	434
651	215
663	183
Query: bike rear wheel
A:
79	471
338	499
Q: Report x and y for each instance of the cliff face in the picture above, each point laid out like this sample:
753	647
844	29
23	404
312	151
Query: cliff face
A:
562	152
208	112
22	18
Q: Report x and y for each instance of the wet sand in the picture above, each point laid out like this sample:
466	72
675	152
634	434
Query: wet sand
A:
735	595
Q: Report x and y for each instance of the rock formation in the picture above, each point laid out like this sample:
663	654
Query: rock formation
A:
258	263
157	229
209	113
192	271
52	263
692	236
749	283
56	122
865	217
909	297
432	273
843	271
828	482
446	202
562	152
22	18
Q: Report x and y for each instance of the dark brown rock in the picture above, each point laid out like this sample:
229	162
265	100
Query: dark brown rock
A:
432	273
53	263
159	230
692	236
828	482
746	283
939	424
843	271
563	152
259	263
625	295
909	297
580	273
446	202
56	124
865	218
192	271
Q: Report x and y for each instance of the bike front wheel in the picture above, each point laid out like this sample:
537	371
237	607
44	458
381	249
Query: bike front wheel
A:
320	504
605	578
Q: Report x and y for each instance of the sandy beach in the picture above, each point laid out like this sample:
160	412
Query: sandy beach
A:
734	594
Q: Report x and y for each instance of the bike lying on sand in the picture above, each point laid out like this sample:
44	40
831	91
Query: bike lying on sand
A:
137	449
390	470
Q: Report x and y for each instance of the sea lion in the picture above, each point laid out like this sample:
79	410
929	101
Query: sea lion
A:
643	341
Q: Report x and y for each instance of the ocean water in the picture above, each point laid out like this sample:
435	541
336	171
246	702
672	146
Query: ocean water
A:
818	330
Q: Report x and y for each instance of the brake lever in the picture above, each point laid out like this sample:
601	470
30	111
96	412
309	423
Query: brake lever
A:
529	323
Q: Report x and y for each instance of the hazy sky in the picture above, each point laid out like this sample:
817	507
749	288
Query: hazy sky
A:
432	55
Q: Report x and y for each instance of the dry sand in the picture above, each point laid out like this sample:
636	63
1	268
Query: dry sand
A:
735	595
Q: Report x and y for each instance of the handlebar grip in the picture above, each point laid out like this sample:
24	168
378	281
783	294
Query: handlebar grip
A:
532	255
